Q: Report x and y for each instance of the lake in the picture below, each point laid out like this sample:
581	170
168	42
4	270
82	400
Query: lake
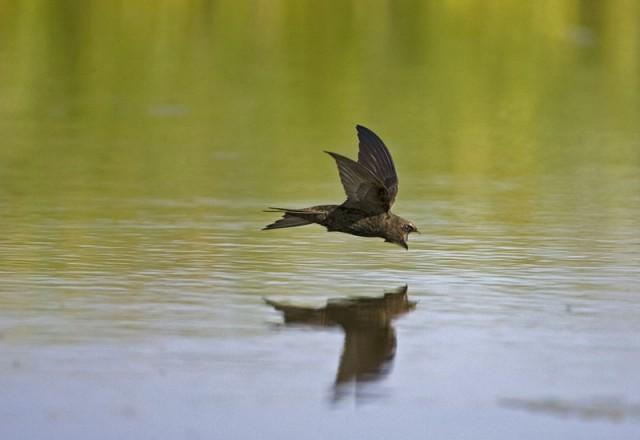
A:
141	144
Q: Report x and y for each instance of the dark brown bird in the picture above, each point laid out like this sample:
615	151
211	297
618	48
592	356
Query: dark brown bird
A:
371	185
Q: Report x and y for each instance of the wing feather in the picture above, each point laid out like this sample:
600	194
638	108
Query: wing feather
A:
364	190
375	156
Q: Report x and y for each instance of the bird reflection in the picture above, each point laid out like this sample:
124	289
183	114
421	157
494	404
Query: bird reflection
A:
370	339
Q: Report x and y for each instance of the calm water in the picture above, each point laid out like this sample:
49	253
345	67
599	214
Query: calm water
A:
140	145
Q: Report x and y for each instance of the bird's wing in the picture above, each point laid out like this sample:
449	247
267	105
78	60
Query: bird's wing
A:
375	156
364	190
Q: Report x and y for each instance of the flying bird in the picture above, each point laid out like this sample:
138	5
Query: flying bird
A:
371	185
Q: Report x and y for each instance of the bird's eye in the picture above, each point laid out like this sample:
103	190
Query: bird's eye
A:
407	228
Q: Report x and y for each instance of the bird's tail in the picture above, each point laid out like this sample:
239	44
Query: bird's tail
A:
291	218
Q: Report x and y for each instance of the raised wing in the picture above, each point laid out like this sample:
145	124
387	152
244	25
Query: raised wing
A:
375	156
364	190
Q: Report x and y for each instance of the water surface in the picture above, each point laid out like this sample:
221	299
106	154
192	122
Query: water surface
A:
140	146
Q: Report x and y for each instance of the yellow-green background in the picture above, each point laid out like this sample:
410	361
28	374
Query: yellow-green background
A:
141	140
206	98
530	108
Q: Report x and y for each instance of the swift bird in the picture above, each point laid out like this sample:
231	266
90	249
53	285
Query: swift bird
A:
371	185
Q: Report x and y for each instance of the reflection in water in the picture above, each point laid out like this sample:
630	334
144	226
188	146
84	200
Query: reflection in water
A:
370	339
611	408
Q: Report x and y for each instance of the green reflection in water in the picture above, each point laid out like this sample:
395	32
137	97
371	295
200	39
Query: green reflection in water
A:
109	108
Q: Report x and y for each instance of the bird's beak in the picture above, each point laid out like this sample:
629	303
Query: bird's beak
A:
417	232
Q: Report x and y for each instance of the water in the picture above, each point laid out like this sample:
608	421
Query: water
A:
141	146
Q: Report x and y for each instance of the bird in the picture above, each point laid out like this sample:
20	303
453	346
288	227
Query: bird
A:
371	186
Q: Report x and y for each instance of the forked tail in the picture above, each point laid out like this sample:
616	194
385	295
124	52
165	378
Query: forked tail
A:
290	219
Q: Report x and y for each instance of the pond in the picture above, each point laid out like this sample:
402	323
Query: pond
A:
141	145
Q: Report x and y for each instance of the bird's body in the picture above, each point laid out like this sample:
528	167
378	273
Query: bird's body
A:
340	218
371	185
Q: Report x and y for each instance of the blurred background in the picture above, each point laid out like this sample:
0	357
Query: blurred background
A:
142	140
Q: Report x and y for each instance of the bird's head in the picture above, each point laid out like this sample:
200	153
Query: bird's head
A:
399	230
